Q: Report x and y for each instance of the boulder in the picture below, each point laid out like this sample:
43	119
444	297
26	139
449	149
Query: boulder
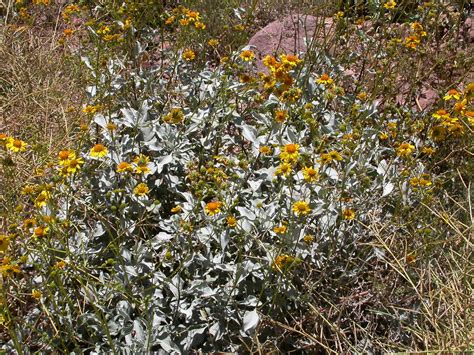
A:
292	35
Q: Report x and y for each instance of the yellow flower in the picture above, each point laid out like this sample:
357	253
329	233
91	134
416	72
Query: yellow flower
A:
383	136
65	155
213	207
36	294
427	150
184	22
440	114
308	238
142	164
213	42
470	117
282	261
422	180
390	5
98	151
16	145
290	152
141	190
124	167
438	133
460	106
284	169
60	265
405	150
73	165
290	60
452	94
4	242
310	174
231	221
247	55
412	42
177	209
170	20
265	149
199	25
324	79
40	232
335	155
281	115
269	61
281	229
111	126
89	109
42	199
301	208
348	214
29	223
188	55
68	32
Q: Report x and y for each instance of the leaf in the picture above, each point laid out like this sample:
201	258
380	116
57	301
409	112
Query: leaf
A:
250	321
387	189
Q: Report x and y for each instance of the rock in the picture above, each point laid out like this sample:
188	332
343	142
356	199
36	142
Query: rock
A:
292	35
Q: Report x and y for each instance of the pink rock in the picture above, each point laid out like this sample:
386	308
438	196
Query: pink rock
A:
292	35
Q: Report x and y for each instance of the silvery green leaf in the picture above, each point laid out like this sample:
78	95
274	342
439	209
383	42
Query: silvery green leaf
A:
100	120
139	331
163	161
225	238
250	321
245	212
249	133
387	189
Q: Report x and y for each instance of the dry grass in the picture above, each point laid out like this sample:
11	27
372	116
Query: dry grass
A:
39	102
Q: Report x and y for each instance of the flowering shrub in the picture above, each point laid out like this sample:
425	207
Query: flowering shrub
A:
202	207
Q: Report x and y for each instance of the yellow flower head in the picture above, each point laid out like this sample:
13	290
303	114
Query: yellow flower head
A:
284	169
40	232
281	115
440	114
16	145
301	208
4	243
177	209
281	229
124	167
188	55
74	165
231	221
325	79
405	150
141	190
213	42
65	155
247	55
199	25
36	294
390	5
142	164
412	42
98	151
290	152
308	238
213	207
269	61
42	199
310	174
265	149
348	214
452	94
282	262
